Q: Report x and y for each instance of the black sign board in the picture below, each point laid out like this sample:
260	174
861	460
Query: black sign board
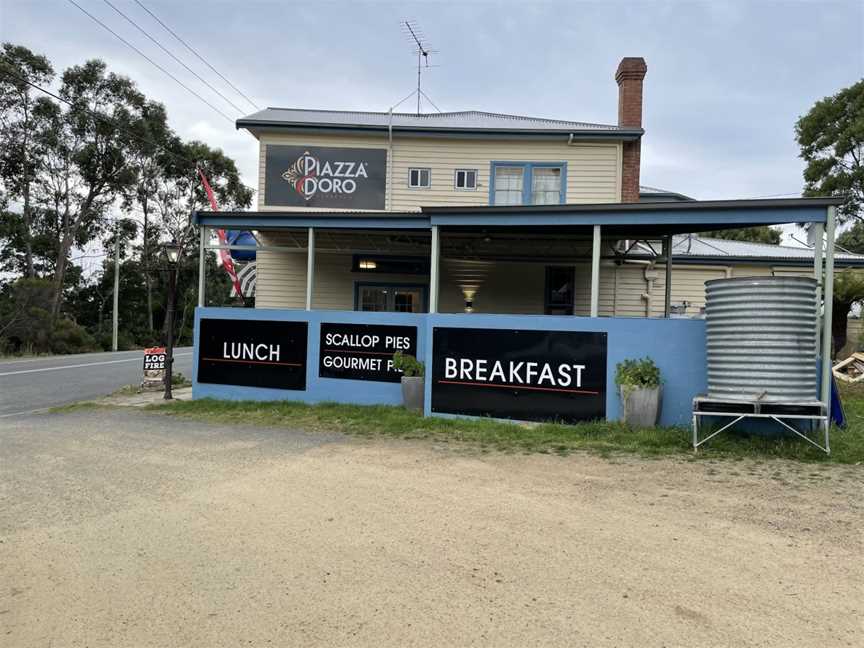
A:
364	351
253	353
319	176
524	375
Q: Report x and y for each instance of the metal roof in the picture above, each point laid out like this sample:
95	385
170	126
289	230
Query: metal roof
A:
468	121
690	245
654	194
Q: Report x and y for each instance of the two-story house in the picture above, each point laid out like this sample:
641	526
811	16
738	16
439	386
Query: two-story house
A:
391	162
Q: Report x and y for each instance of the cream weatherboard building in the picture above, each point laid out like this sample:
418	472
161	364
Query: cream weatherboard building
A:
476	159
514	256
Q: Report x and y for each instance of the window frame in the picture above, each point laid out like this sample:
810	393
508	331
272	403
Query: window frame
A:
528	178
428	170
456	173
408	260
424	293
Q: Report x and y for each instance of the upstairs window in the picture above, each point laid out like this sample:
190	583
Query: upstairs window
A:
465	179
419	178
546	186
508	185
528	183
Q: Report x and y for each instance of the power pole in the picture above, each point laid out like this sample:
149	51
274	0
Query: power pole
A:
116	284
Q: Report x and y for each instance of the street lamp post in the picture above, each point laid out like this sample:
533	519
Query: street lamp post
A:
172	253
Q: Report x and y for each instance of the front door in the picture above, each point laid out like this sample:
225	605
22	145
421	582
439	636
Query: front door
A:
393	298
558	299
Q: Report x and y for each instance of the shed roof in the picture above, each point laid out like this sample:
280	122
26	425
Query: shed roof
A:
693	246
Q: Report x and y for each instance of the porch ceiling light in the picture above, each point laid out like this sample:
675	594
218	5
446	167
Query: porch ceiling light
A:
367	264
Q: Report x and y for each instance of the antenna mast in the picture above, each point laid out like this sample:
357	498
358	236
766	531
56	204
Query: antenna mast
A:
414	34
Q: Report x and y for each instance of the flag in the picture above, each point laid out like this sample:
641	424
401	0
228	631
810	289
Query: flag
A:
224	254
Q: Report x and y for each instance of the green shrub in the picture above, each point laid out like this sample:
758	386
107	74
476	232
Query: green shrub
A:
408	364
69	337
637	374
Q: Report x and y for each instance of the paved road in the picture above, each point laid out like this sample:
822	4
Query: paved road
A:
38	383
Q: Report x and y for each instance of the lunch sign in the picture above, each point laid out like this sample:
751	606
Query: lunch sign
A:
253	353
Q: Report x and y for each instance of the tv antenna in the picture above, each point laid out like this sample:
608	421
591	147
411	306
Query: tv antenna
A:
415	35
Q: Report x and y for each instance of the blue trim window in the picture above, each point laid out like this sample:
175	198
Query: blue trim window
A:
528	183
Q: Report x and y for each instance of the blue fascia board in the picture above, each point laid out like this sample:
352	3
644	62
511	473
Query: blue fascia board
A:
714	217
353	222
611	214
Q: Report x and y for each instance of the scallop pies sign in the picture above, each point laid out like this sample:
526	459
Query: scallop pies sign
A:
319	176
519	374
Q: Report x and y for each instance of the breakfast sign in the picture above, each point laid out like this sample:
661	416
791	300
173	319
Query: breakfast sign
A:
519	374
364	351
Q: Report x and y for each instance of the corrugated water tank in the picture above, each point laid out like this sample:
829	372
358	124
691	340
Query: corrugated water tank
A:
761	338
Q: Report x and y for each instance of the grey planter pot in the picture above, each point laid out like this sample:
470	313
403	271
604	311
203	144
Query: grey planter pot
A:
413	392
641	406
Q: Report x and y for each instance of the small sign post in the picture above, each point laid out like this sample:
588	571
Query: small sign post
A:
154	369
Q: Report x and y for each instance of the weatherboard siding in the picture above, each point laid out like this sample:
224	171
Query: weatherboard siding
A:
501	287
593	169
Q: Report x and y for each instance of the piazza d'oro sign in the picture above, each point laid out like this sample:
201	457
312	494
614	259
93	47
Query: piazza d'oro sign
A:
519	374
323	176
364	351
253	353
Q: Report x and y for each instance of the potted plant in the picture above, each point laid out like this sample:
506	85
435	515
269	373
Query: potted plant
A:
640	387
412	380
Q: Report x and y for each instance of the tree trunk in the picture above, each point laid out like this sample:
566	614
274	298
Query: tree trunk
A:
28	233
839	324
146	262
60	275
28	237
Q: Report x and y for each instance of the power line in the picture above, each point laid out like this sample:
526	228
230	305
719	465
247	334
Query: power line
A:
104	118
171	54
150	60
201	58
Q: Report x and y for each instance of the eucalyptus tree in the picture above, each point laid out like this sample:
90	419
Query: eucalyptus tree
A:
22	155
154	137
89	162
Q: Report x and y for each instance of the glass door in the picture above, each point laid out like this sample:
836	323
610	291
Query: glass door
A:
559	290
391	298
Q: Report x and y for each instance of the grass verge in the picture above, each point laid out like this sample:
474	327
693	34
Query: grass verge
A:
603	437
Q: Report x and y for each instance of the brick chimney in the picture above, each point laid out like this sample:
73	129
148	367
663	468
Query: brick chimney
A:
631	71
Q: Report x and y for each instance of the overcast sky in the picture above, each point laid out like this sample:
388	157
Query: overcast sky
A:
726	80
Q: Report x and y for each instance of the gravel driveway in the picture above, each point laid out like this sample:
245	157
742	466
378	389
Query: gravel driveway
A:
123	528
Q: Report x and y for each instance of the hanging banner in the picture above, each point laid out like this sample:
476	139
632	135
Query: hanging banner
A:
523	375
253	353
364	351
321	176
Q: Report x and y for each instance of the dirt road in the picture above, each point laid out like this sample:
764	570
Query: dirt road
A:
128	529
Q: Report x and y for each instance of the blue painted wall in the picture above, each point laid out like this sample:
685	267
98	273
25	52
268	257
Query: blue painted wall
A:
676	345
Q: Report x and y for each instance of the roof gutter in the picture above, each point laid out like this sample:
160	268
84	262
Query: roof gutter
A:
254	125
